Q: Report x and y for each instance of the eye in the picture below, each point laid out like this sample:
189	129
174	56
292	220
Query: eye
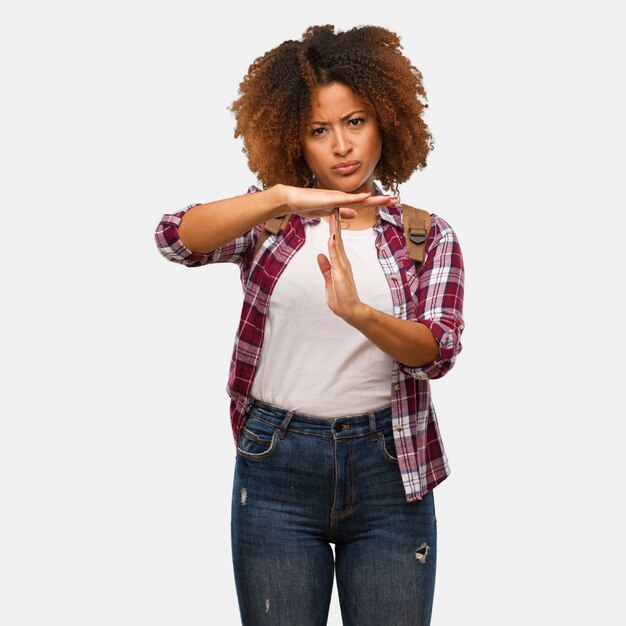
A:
356	119
315	133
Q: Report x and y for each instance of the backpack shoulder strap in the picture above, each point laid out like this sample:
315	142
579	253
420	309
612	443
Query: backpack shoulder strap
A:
271	227
416	229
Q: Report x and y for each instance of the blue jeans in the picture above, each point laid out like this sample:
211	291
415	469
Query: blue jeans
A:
303	482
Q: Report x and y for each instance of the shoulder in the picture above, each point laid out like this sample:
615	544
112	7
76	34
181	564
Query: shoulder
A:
440	229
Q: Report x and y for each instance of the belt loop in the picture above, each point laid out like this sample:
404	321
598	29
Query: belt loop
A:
372	415
283	427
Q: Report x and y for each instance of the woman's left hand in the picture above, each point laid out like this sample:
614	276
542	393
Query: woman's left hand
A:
341	293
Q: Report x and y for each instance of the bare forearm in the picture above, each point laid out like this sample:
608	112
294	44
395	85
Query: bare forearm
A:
206	227
409	343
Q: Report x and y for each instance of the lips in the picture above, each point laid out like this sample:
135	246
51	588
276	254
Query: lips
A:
346	168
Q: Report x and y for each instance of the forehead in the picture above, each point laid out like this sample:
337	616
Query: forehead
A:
335	100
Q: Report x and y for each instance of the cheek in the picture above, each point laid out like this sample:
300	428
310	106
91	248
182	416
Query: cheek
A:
375	140
378	139
379	147
309	153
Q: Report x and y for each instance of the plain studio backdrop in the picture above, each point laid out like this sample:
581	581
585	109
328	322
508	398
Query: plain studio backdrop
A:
116	453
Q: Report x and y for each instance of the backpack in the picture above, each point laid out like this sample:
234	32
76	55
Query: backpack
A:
416	228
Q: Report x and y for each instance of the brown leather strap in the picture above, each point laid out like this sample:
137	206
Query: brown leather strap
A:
271	227
416	229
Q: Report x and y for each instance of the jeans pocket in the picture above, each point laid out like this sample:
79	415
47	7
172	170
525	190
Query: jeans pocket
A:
258	438
387	444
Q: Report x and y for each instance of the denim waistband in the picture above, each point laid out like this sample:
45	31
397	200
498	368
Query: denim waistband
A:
345	426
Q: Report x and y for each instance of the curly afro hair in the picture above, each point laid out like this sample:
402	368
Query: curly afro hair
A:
275	102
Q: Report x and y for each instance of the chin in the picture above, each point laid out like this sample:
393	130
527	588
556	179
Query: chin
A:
350	185
344	183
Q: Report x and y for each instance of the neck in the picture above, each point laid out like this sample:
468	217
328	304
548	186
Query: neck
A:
365	218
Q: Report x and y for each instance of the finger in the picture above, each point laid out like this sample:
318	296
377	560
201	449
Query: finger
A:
339	240
335	243
373	201
380	201
325	268
336	221
332	238
337	225
355	196
332	223
332	232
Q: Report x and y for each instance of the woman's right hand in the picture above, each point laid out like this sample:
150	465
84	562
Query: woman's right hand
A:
313	202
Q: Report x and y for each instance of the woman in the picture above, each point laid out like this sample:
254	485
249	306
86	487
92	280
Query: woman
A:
336	438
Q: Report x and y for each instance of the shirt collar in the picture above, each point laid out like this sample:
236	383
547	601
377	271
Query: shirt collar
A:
391	213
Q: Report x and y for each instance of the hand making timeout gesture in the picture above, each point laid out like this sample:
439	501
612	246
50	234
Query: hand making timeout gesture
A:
341	292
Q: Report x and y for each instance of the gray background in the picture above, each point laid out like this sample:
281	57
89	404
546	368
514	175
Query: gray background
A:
116	454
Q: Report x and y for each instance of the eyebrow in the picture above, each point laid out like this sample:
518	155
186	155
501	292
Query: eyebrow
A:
345	117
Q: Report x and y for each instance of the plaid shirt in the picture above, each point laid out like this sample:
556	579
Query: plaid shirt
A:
433	298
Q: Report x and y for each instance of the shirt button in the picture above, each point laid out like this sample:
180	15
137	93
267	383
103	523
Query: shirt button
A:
397	387
394	277
402	308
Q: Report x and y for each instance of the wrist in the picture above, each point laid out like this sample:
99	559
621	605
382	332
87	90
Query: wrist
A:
279	200
359	315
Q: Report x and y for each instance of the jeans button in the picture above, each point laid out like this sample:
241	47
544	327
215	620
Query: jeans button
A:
337	427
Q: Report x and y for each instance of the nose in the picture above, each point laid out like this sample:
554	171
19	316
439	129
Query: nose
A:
342	145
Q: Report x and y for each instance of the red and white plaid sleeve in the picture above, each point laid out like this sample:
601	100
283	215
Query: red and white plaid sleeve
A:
172	248
440	299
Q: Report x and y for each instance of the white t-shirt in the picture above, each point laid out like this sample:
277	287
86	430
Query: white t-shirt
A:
346	372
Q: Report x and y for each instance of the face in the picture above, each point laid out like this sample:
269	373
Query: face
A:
342	129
